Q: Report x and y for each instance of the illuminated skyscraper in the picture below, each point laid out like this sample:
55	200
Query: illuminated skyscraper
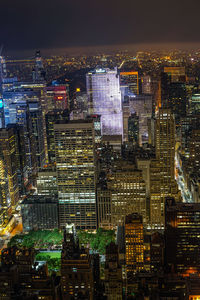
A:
162	174
131	79
8	168
134	242
173	91
50	119
35	112
56	97
38	71
142	106
75	163
104	98
128	194
182	237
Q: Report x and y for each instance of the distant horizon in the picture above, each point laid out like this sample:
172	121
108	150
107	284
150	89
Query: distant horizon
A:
105	49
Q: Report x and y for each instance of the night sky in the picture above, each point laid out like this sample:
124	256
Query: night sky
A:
39	24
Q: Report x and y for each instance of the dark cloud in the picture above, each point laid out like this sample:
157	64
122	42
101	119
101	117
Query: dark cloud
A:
31	24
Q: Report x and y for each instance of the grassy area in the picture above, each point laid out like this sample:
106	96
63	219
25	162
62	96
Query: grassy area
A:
42	239
97	241
52	254
52	258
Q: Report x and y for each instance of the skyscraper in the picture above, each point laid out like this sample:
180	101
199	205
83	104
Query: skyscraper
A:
8	168
182	223
104	98
173	91
131	79
50	119
76	270
113	273
56	97
75	163
128	193
134	242
162	174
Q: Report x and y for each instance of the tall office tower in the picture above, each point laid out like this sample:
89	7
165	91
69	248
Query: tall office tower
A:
194	104
163	182
142	106
21	116
194	149
133	129
146	84
177	74
113	273
182	230
21	156
134	242
173	91
126	115
37	130
14	97
8	166
97	127
104	98
76	270
50	119
46	181
56	97
104	207
130	79
3	72
165	145
38	71
143	164
128	193
39	212
188	124
76	175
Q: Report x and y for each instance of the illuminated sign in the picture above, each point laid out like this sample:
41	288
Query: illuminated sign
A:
100	71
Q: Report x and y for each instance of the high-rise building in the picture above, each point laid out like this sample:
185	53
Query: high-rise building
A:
76	177
104	207
50	119
38	71
133	129
128	193
38	131
163	182
182	230
46	181
177	74
143	107
21	156
146	84
173	91
104	98
194	104
131	79
8	168
134	242
76	270
56	97
39	212
113	273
